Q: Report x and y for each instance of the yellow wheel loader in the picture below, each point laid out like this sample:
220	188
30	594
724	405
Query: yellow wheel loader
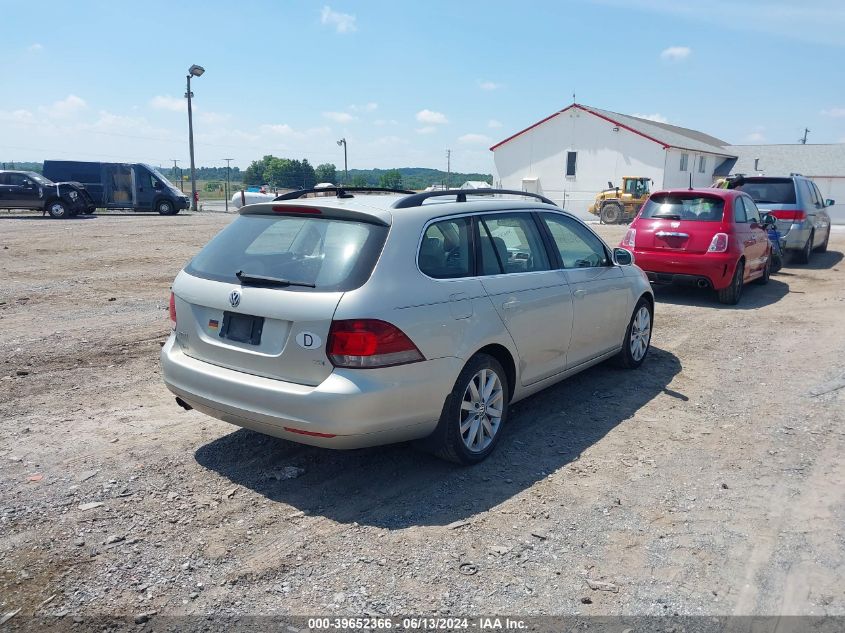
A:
616	204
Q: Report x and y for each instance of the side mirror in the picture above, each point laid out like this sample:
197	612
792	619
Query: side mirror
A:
829	202
156	185
768	220
622	257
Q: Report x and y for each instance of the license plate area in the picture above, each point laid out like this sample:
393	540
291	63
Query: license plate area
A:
242	328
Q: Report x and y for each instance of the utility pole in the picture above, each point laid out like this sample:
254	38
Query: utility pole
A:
448	167
178	175
803	140
228	161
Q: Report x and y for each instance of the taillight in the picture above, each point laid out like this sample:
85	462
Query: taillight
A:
172	311
369	343
629	238
719	243
794	216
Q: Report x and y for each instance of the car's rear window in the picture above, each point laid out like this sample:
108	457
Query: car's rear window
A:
686	207
769	190
334	255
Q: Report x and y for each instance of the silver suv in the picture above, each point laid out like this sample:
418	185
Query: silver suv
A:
798	206
369	319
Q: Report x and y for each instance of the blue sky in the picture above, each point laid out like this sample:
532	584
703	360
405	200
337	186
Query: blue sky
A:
404	81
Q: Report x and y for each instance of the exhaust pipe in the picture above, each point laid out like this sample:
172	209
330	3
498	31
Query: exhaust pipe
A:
702	283
183	404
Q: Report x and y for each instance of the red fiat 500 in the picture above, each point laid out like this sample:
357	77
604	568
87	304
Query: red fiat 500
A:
710	238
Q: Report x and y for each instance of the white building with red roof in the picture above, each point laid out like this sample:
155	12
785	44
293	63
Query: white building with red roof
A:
572	155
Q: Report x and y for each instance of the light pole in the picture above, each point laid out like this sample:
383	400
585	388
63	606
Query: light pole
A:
228	161
345	170
193	71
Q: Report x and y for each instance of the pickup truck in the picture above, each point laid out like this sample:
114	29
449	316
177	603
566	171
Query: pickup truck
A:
28	190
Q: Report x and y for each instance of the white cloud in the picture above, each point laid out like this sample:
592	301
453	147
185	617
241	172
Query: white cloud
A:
342	22
474	139
755	137
427	129
656	117
34	48
213	118
388	141
283	129
372	106
339	117
485	84
493	123
675	53
17	116
834	112
431	117
64	108
166	102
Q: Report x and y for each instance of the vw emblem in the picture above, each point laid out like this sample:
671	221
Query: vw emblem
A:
235	298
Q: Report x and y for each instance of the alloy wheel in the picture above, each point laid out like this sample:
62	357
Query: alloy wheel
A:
481	410
640	333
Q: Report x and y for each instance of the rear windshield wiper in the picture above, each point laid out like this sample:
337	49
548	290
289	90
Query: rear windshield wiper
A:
249	279
667	216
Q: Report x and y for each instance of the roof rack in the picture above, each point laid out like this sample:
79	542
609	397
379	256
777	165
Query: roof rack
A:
342	192
417	199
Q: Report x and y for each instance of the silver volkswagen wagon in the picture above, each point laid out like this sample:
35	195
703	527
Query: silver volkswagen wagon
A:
366	319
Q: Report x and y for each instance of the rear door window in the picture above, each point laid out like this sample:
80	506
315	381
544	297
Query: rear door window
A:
445	250
577	245
511	243
334	255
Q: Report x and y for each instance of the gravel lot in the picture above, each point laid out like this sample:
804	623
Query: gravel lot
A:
711	481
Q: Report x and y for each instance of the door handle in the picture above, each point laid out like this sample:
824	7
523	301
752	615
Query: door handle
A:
509	304
579	293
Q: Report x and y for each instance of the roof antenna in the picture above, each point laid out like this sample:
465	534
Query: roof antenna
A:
690	181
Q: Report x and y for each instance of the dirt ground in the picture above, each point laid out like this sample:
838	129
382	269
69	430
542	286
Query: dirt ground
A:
710	481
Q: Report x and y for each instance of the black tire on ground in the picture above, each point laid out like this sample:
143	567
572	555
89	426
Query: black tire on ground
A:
611	213
446	441
821	248
58	210
767	271
731	294
803	256
626	357
777	262
165	207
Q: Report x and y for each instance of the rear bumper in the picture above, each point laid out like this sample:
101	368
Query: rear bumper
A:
356	408
795	236
714	270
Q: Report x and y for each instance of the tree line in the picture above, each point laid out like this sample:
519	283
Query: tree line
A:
292	174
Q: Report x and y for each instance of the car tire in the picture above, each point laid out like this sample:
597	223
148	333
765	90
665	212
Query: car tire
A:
58	210
822	248
611	213
731	294
637	336
777	262
803	256
165	207
767	271
464	421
